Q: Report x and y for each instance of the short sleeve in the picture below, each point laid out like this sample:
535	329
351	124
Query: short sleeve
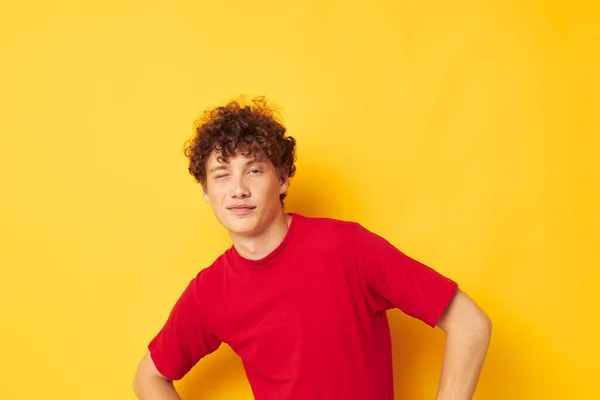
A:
184	339
391	279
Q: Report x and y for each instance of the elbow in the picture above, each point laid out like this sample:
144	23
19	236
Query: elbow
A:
140	382
489	325
477	327
483	327
136	386
486	323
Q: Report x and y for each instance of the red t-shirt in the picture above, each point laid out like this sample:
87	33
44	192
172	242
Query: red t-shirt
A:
308	320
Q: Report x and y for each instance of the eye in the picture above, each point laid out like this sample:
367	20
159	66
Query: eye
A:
221	176
255	171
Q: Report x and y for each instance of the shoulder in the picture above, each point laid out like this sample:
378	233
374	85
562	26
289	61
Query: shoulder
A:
332	230
207	282
324	222
213	271
326	228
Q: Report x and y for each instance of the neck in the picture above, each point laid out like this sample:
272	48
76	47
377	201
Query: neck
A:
260	245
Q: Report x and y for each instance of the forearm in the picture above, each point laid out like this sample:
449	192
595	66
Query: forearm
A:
155	388
463	360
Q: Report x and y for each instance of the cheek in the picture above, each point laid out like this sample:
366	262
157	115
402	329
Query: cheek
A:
215	192
274	188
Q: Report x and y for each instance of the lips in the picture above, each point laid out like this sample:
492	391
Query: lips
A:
240	207
241	210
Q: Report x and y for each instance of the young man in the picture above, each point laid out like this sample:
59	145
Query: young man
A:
301	300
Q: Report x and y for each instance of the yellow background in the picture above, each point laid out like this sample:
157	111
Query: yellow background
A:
464	132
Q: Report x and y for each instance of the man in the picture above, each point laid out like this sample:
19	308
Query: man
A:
301	300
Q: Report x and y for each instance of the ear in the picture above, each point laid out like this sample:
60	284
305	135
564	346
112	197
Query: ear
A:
206	198
284	184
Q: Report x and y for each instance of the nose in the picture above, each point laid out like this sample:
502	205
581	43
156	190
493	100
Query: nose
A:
239	190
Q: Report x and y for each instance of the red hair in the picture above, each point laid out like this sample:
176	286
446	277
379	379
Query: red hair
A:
245	128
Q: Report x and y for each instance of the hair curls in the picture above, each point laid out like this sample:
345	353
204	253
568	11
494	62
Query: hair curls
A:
240	127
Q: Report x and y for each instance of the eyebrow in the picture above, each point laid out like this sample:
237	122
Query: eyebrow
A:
217	168
226	166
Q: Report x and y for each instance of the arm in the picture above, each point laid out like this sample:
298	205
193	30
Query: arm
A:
183	340
149	384
393	279
468	330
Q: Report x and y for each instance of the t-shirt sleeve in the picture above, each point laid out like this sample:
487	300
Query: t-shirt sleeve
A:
184	339
391	279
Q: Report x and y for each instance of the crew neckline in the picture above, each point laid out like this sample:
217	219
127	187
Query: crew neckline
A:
266	260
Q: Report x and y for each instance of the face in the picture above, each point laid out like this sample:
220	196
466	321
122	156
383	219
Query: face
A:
244	192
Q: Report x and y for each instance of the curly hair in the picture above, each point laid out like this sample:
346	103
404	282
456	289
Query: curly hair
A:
241	127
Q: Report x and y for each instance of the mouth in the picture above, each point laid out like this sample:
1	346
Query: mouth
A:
241	209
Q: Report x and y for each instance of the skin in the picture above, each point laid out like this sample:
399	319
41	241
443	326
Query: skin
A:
248	182
468	330
244	195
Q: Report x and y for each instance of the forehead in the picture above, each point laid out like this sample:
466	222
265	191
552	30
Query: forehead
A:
217	158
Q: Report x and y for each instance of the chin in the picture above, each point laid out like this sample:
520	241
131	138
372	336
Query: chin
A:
241	226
